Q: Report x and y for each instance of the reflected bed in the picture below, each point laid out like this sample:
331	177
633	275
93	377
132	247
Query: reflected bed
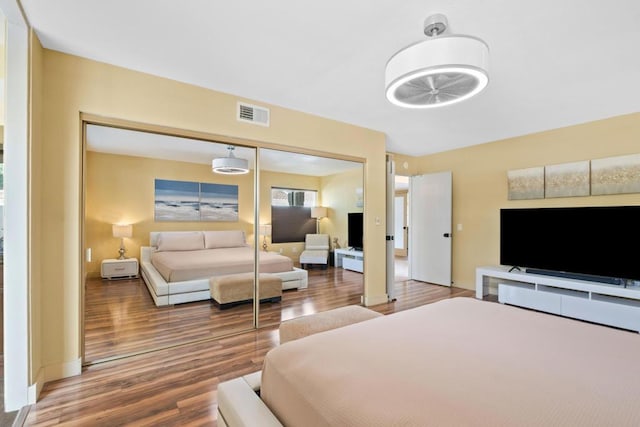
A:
177	266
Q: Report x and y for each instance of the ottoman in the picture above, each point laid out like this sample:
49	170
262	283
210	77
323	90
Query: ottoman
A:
234	289
306	325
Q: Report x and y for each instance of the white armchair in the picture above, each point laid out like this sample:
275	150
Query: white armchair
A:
316	250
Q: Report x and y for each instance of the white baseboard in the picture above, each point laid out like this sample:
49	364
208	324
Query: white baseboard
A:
34	389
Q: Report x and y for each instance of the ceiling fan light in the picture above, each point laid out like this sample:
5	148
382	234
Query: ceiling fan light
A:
438	71
230	165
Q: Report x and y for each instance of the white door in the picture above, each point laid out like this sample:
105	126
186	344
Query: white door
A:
430	228
400	224
390	259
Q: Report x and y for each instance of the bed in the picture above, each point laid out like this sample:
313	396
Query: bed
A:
455	362
177	265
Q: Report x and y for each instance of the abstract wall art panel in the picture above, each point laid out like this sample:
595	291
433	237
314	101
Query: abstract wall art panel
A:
615	175
566	180
525	184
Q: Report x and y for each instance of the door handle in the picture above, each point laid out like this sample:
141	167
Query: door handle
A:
446	235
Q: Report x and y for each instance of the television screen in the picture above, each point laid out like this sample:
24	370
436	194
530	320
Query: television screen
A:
599	241
354	224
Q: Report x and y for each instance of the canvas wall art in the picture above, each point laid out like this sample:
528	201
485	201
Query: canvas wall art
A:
615	175
218	202
525	184
194	201
566	180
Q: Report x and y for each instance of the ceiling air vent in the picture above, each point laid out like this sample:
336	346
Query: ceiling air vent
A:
253	114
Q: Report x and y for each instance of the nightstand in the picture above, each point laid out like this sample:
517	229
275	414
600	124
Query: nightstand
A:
113	269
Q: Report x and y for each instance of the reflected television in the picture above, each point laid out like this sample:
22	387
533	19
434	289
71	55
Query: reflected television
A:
354	224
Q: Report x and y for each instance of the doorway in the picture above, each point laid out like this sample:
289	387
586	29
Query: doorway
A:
401	229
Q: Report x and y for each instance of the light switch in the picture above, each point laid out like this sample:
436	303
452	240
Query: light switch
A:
459	227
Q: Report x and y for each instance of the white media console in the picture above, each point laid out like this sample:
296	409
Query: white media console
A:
580	299
349	259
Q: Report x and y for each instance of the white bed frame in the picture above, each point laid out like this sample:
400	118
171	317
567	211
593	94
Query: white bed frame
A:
197	289
240	406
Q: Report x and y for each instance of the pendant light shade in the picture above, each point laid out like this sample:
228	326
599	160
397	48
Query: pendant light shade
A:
230	165
438	71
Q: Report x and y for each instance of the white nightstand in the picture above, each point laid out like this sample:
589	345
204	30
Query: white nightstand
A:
113	269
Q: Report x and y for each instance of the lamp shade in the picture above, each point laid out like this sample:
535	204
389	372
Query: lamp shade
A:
122	230
318	212
265	229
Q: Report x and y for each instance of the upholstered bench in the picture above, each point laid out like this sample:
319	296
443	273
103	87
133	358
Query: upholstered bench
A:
306	325
234	289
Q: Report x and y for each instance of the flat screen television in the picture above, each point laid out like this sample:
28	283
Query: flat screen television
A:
354	224
602	242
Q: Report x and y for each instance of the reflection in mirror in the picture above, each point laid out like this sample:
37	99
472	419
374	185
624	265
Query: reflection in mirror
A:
305	201
179	225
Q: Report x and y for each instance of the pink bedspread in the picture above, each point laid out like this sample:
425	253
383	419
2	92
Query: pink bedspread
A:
180	266
457	362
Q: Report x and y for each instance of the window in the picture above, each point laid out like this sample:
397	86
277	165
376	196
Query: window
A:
291	214
293	197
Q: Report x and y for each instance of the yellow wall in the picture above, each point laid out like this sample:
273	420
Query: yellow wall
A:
406	165
480	181
73	85
339	195
127	197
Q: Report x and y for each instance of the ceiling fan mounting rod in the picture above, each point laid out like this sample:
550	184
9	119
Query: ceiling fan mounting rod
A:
435	25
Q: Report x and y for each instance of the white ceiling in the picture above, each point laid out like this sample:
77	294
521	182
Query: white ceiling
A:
553	62
112	140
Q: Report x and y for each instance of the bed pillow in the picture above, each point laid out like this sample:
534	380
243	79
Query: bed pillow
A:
224	239
181	241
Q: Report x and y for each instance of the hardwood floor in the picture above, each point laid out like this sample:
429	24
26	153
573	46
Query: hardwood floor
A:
121	318
177	386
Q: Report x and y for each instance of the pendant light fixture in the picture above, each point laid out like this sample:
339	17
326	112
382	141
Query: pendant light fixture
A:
230	165
439	71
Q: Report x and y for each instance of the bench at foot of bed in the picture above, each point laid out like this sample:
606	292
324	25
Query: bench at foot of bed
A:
325	320
234	289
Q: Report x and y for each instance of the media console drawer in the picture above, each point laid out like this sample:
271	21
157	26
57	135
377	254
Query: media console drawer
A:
579	299
530	298
119	268
352	264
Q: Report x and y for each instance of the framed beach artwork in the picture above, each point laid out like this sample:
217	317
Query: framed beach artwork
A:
218	202
194	201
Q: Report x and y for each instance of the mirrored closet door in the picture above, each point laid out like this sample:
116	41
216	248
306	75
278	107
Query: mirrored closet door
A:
303	195
159	224
174	247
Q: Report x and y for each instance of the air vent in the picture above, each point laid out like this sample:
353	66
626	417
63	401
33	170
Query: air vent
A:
253	114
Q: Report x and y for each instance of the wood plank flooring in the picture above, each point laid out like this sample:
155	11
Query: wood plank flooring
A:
121	318
177	386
